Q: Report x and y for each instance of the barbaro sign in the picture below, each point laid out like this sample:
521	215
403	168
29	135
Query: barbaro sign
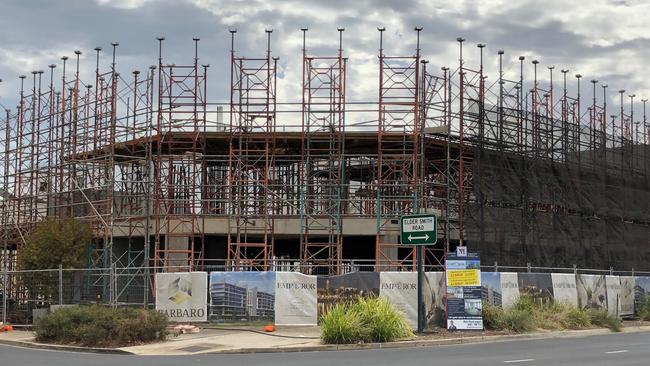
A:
419	229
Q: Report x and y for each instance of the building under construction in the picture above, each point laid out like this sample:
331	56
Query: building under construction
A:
523	171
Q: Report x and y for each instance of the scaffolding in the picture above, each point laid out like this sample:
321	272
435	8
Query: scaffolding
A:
323	162
251	159
398	163
179	163
530	166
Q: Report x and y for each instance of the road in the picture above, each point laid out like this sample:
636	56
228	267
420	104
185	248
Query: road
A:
626	349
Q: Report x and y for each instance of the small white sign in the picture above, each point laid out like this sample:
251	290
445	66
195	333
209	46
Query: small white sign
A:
461	251
417	224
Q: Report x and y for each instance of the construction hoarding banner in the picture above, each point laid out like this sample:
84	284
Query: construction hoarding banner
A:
242	296
627	295
613	284
564	288
538	286
641	290
464	304
401	289
592	292
434	295
291	298
295	299
509	289
182	296
345	289
491	288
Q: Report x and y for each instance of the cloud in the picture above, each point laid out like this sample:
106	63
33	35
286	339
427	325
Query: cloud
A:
123	4
603	40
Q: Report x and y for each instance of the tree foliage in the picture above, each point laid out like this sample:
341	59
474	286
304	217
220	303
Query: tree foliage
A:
54	243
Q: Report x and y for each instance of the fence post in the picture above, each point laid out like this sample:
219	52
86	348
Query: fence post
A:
611	271
575	269
496	266
145	297
5	293
60	284
632	271
528	267
112	285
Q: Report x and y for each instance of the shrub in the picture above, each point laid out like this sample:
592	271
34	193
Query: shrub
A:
96	326
342	324
524	303
526	315
576	318
602	318
366	320
493	317
518	320
384	322
644	309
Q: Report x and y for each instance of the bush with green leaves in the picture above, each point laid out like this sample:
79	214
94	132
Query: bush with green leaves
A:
55	243
51	244
576	318
342	325
384	322
519	320
602	318
366	320
493	317
644	309
97	326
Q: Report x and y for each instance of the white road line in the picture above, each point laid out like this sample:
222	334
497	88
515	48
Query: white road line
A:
612	352
522	360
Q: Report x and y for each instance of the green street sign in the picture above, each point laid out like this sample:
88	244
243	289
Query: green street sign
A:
419	229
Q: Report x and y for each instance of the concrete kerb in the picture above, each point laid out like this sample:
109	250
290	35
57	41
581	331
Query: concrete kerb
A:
348	347
433	342
65	348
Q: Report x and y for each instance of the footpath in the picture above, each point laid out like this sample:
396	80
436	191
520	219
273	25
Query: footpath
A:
285	339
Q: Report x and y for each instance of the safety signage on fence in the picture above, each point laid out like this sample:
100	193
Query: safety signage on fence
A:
463	277
419	229
464	306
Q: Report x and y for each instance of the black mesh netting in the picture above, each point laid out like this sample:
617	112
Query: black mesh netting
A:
560	213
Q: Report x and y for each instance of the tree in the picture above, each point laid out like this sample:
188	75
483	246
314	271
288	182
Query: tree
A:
54	243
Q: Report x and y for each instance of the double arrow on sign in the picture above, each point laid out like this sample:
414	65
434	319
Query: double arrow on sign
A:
425	237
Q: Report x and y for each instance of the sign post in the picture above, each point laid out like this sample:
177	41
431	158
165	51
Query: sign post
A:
420	230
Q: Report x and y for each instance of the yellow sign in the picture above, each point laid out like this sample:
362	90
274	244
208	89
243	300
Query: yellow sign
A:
463	277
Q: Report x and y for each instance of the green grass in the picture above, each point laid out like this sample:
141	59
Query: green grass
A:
97	326
342	324
384	322
366	320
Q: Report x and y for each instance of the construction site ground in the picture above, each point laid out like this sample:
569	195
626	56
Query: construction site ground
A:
292	339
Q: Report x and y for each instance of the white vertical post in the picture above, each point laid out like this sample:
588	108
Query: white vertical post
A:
4	294
60	284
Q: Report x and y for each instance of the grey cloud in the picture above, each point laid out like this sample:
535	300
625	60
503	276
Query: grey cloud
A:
65	25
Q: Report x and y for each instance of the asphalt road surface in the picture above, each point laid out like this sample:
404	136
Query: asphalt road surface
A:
613	349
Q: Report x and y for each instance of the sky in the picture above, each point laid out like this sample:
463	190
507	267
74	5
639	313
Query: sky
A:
603	40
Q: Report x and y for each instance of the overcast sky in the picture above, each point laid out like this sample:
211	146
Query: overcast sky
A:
604	40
